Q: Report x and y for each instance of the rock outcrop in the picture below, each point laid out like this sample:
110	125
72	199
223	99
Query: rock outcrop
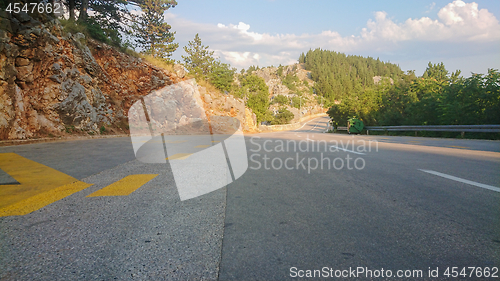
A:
54	83
274	80
377	80
227	105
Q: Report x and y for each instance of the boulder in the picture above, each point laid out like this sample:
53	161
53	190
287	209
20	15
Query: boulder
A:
179	70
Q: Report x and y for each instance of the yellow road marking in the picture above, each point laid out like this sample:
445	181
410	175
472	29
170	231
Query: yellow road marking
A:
458	146
202	146
215	141
167	141
39	185
125	186
179	156
41	200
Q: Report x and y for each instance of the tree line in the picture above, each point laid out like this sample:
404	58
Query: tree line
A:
438	97
121	23
338	75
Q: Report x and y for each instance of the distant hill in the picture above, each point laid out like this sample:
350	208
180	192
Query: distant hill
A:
290	87
337	75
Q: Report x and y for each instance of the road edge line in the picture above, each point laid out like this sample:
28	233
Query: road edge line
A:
482	185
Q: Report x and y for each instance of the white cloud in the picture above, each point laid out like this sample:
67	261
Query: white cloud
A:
459	27
458	21
431	7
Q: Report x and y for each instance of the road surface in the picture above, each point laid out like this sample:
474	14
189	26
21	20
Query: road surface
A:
309	203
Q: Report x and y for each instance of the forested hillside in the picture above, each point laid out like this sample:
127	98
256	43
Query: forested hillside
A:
382	94
338	75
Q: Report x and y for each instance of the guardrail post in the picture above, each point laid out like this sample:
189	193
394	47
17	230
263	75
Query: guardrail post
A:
462	134
415	133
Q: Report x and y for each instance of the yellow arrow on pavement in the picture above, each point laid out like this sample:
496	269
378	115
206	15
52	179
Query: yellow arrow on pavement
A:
125	186
39	185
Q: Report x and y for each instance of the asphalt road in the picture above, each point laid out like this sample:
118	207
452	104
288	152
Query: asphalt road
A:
308	201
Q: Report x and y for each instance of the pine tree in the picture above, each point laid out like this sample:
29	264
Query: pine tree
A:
103	20
199	60
436	71
152	32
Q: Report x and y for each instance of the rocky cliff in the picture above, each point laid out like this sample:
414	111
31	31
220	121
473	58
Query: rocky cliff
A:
298	84
54	83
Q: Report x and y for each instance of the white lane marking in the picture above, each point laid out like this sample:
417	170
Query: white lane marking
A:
347	150
306	123
462	180
342	148
315	125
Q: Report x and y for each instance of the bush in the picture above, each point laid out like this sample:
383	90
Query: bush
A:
296	102
221	76
284	116
73	27
290	81
281	99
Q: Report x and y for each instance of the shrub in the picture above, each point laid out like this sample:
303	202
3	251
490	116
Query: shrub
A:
281	99
284	116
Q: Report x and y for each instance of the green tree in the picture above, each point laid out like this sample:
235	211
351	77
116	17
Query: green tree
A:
252	68
472	101
221	75
436	71
199	59
152	32
103	20
395	102
302	58
255	91
284	116
339	113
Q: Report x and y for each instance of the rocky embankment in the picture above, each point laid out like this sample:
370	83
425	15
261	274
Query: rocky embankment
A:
300	88
54	83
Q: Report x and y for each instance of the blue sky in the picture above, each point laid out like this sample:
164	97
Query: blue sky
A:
464	35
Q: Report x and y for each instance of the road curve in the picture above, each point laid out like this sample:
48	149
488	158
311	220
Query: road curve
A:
308	201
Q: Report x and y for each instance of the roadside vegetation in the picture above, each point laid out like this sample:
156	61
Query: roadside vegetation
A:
377	92
438	97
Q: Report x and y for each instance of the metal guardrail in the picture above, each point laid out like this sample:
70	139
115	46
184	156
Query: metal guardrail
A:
439	128
434	128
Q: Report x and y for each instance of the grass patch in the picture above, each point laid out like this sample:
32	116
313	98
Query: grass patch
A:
208	86
161	63
130	52
72	26
169	66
